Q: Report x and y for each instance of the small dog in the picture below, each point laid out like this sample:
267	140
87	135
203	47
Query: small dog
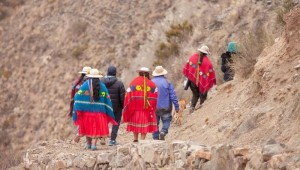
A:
178	117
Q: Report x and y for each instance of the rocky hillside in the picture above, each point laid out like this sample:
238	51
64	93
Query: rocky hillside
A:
155	154
251	111
246	124
45	43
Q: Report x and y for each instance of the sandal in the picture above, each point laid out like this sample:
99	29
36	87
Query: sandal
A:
93	147
88	146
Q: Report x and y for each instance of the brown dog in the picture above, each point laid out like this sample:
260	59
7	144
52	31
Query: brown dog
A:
178	117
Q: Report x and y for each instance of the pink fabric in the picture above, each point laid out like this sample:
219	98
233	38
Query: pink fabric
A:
206	74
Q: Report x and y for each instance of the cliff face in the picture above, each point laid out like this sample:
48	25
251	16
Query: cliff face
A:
45	43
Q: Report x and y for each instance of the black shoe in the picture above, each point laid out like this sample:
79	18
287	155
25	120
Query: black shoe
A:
192	109
135	141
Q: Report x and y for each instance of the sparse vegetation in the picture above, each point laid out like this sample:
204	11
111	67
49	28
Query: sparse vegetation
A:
249	49
179	32
78	50
5	73
285	8
3	14
10	159
175	35
167	49
6	6
12	3
78	27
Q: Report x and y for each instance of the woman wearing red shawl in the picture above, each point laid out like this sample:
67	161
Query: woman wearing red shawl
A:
140	105
93	109
201	76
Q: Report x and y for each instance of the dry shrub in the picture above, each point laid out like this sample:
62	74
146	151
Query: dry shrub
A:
78	50
167	49
7	7
9	122
285	8
3	13
177	34
5	73
10	158
5	139
12	3
78	27
250	47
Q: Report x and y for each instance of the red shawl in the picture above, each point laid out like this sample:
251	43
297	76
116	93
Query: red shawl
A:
206	75
138	98
75	87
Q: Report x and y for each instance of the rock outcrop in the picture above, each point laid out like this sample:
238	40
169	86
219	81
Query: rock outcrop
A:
155	154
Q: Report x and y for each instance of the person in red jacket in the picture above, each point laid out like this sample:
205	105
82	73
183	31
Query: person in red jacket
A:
140	105
200	74
76	85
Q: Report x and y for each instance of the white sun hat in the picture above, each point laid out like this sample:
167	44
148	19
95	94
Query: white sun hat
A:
94	73
143	69
85	70
204	49
159	70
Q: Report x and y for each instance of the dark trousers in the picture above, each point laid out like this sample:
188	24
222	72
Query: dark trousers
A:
228	76
196	95
115	128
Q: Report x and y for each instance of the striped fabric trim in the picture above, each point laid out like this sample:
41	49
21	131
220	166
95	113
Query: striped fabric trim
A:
84	102
141	125
137	97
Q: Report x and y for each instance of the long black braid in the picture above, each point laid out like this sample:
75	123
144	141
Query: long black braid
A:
79	80
201	58
96	88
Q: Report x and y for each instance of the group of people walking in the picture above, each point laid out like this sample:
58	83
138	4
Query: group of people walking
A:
98	100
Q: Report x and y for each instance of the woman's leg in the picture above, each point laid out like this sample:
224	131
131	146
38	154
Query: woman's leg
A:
143	136
94	142
88	143
135	137
88	140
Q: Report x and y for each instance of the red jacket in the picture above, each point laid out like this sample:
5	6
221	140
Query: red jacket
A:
75	87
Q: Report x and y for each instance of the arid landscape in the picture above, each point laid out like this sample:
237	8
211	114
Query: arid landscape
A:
45	43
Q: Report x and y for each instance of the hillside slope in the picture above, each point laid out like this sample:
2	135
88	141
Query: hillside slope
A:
251	112
45	43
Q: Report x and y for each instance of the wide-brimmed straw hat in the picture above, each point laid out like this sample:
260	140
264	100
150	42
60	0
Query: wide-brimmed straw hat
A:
85	70
159	70
204	49
143	69
94	73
